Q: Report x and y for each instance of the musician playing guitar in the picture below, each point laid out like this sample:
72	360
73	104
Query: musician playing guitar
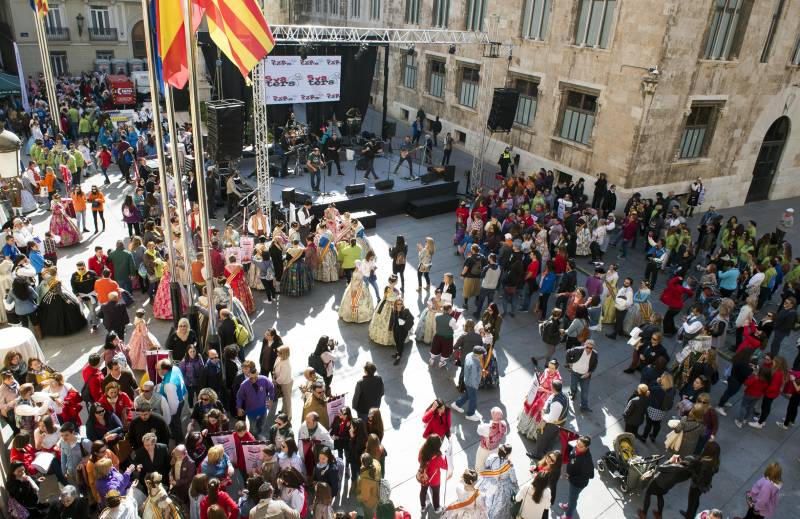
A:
406	149
315	163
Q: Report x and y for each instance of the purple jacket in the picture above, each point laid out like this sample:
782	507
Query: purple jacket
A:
594	286
765	497
253	398
191	370
116	480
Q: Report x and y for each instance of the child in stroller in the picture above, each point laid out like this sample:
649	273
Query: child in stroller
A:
624	465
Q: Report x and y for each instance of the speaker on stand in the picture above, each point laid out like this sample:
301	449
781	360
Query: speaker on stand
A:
225	123
504	107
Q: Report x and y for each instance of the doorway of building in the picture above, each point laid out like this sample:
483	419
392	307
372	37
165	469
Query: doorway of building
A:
768	159
137	41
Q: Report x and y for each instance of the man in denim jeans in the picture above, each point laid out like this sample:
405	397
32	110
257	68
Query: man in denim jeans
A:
472	379
254	399
581	362
580	470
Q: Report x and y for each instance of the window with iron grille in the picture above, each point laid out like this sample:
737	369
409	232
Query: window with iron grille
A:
526	103
355	8
476	11
441	13
318	6
58	60
698	131
535	19
104	54
595	22
375	9
334	7
726	32
410	71
773	28
412	11
437	77
577	120
468	86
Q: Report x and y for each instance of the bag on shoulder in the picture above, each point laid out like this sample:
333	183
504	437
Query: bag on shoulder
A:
673	441
400	258
316	362
241	333
422	475
584	334
86	395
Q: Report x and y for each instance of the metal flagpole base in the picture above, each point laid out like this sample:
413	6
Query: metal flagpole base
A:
175	297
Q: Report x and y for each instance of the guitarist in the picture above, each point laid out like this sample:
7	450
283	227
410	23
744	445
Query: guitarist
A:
314	163
405	156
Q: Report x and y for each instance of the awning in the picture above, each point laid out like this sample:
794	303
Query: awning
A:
9	84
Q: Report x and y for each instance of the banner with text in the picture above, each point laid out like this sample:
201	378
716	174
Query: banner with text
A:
289	79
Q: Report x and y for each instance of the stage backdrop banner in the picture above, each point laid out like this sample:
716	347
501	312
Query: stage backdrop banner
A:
316	79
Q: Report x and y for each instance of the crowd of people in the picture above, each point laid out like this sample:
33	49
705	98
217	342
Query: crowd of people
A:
192	428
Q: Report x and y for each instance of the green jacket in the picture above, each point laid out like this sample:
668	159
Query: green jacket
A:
78	156
792	276
85	126
348	255
74	115
124	267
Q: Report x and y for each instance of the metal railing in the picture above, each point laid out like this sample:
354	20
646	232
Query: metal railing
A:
102	34
57	33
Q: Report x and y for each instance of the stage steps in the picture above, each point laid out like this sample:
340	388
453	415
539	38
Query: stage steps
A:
367	218
431	206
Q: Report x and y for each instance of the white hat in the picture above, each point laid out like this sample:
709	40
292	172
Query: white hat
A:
508	236
790	210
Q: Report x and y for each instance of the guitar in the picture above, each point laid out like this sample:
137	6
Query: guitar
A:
405	153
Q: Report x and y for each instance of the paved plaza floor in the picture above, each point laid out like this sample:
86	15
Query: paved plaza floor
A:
412	385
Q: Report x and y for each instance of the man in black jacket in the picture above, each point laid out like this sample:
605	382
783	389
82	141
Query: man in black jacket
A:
82	282
784	324
115	315
610	200
580	470
400	322
332	146
146	421
226	329
368	392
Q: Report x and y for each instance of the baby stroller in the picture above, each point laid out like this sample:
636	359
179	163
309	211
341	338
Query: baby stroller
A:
633	472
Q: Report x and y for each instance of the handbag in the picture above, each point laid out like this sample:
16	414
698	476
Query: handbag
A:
673	441
422	475
95	204
516	506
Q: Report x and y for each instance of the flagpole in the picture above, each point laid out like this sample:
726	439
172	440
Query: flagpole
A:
49	85
199	163
162	165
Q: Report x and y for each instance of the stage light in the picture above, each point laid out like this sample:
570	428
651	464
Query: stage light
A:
361	51
452	49
303	52
410	50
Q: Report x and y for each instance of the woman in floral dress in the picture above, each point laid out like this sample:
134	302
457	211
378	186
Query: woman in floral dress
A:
162	303
469	503
641	311
609	293
379	330
426	328
234	277
61	225
582	239
498	483
356	305
327	270
297	279
531	416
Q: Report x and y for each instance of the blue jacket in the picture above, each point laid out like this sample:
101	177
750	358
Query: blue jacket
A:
11	251
728	278
472	371
548	283
24	306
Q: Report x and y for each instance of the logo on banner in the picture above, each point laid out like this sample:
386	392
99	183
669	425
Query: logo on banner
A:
319	80
313	80
279	81
309	62
334	61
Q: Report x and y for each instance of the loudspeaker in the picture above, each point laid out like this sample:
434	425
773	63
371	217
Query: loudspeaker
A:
287	196
448	173
225	123
383	185
354	189
389	129
300	198
504	106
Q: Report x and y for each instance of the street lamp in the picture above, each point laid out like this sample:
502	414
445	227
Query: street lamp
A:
79	19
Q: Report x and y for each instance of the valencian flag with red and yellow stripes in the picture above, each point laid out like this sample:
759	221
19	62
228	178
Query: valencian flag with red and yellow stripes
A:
171	41
40	6
240	31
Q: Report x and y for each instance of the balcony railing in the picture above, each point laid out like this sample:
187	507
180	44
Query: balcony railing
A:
102	34
57	33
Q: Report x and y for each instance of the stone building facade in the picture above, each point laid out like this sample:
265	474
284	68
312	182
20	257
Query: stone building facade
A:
78	32
654	93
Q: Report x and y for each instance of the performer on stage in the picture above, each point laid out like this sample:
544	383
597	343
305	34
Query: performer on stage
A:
315	163
405	156
368	153
332	146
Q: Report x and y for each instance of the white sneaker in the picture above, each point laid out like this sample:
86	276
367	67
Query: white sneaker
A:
430	362
442	363
473	417
596	328
267	302
721	411
728	404
454	407
780	424
756	425
738	423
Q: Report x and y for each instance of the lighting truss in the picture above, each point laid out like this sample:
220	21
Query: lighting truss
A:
296	34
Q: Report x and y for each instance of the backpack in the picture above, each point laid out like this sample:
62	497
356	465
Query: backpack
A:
400	257
549	330
315	361
241	333
86	395
477	267
584	334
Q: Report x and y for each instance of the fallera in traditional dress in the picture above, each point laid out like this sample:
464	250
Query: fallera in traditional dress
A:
426	328
582	241
379	331
297	279
60	312
162	303
62	226
356	305
141	341
609	312
469	504
241	291
498	483
491	379
254	278
327	269
640	312
363	242
531	415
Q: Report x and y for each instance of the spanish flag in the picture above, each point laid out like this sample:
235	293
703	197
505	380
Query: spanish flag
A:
39	6
171	41
240	31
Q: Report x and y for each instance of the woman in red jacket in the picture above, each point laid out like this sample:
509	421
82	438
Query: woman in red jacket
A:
755	387
773	391
674	296
241	434
220	498
437	419
751	338
22	450
431	463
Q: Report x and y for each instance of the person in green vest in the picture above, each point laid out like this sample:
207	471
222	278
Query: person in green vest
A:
85	125
77	159
124	266
765	291
74	118
442	345
36	151
348	254
793	274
